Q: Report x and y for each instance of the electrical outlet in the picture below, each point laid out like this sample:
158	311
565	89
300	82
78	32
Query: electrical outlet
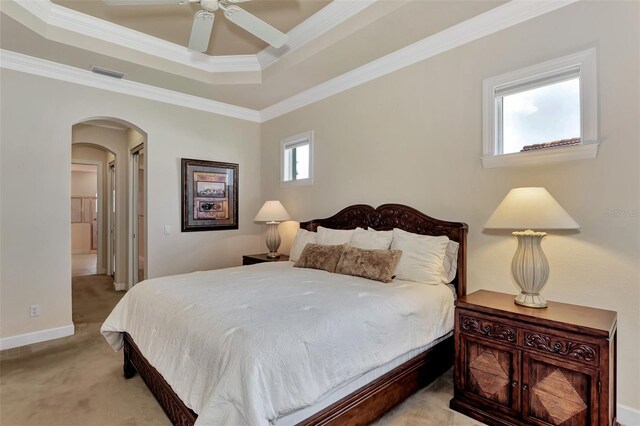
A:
34	310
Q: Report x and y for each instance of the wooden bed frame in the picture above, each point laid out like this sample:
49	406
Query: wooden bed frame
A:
370	402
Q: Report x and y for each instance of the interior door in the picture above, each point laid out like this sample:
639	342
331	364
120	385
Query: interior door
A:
94	223
138	245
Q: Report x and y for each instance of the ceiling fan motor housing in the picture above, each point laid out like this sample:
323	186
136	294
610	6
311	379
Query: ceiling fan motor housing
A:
209	5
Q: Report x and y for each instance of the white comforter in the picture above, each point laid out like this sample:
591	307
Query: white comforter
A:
246	345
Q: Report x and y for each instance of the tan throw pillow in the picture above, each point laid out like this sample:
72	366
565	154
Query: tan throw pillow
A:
375	265
318	256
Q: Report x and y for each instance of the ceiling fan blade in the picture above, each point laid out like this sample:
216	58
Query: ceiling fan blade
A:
201	31
139	2
255	26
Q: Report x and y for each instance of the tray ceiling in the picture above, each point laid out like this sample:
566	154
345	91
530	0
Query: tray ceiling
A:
355	41
173	22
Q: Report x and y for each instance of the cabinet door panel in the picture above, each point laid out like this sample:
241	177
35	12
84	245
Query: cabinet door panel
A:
557	394
491	374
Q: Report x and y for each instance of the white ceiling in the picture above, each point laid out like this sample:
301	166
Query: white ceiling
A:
328	51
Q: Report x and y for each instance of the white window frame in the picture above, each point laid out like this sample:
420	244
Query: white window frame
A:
299	139
584	64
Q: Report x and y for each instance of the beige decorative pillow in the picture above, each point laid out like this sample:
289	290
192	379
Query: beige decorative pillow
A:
317	256
375	265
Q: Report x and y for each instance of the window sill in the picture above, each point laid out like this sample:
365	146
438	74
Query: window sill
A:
300	182
543	156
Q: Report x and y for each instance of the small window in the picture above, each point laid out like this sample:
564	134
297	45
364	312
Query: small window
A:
530	113
296	154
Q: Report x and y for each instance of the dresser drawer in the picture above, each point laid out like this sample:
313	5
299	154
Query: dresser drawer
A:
488	328
561	347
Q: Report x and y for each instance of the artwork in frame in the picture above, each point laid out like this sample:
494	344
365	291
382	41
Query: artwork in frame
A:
209	195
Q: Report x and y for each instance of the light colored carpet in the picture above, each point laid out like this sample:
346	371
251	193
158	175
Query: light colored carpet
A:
78	380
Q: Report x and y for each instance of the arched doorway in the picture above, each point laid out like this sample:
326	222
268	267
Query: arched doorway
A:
123	235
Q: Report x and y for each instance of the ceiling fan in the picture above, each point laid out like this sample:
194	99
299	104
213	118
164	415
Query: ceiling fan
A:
203	20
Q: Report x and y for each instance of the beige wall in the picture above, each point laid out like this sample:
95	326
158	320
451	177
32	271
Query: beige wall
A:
35	263
414	137
84	183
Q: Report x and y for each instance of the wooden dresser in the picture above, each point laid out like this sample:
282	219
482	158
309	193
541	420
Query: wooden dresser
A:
516	365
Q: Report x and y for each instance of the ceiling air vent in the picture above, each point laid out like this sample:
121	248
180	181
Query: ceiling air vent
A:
108	73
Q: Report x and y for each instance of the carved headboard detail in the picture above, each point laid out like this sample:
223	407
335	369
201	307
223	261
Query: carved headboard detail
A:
389	216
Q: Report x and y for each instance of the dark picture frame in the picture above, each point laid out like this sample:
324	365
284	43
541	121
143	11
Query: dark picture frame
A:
209	195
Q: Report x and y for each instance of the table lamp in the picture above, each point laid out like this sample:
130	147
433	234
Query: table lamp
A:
272	212
528	209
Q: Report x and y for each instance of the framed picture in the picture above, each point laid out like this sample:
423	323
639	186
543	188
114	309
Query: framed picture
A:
209	195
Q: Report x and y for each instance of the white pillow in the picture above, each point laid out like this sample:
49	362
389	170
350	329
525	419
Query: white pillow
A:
371	239
422	257
450	262
333	237
303	237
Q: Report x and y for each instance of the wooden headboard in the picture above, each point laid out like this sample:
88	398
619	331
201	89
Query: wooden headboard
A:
389	216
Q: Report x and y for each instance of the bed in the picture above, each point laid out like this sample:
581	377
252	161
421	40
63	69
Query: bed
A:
364	397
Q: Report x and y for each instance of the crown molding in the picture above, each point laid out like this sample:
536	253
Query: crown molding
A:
121	41
324	20
502	17
494	20
86	28
40	67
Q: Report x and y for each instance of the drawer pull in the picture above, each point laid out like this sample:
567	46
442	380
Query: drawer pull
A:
525	387
514	384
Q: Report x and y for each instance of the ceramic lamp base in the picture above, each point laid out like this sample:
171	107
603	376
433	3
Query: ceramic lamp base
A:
531	300
273	240
530	268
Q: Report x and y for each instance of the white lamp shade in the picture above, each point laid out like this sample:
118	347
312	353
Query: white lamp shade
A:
272	211
530	208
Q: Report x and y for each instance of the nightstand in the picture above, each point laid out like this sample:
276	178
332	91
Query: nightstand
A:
252	259
516	365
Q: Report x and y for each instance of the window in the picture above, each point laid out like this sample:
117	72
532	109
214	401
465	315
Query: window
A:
296	154
530	113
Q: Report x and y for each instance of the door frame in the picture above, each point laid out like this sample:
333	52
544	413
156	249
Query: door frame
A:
112	186
100	266
133	214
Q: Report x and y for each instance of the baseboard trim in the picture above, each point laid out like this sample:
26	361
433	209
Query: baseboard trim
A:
628	416
36	337
119	286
